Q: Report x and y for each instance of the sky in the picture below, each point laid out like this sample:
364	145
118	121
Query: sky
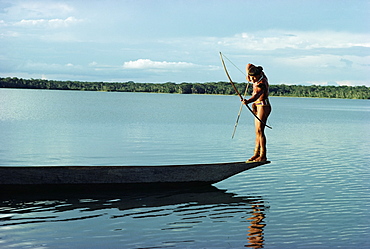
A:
322	42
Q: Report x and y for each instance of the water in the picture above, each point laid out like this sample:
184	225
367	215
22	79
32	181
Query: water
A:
314	194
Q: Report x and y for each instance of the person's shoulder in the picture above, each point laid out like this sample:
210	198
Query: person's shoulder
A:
261	84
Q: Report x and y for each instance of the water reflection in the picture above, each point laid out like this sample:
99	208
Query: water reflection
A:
184	215
255	235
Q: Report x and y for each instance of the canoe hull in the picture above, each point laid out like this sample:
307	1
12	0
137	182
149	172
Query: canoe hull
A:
197	173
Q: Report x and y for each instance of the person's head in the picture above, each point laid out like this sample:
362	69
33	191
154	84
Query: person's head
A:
254	73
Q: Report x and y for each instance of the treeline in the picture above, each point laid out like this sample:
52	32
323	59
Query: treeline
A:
225	88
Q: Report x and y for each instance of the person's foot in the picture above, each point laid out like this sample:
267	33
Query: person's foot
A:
260	159
253	158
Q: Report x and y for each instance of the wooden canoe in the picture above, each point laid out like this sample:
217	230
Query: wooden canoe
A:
170	174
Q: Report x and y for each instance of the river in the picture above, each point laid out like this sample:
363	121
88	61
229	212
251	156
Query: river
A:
314	194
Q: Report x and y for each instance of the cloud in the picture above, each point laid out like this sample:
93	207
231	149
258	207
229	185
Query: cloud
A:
44	23
272	40
149	64
348	63
9	34
42	67
38	9
54	30
325	61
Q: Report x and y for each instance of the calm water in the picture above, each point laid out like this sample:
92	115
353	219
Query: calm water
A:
314	194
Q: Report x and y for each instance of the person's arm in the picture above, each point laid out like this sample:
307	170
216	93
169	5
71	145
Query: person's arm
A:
258	91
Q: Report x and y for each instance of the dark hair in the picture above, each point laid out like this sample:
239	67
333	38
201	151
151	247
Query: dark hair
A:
254	71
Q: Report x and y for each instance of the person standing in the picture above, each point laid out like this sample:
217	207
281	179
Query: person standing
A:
261	108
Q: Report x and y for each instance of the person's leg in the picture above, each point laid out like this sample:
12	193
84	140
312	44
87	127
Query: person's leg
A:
263	112
257	148
256	153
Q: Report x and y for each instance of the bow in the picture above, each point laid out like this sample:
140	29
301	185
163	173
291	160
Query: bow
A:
238	93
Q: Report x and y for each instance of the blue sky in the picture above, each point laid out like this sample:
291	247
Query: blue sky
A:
297	42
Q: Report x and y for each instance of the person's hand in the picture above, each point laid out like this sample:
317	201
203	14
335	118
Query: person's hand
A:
245	102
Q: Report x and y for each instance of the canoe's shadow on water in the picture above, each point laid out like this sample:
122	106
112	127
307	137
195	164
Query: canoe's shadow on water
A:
97	197
142	201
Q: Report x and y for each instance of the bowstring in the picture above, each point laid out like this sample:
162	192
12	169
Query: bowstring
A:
246	90
234	65
245	94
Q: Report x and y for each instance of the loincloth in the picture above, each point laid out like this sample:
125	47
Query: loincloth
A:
264	102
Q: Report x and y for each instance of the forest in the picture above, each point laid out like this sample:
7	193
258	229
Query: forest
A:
224	88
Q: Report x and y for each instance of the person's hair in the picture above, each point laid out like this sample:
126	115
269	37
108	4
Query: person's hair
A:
254	71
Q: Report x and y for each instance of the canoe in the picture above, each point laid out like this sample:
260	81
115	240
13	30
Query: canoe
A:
168	174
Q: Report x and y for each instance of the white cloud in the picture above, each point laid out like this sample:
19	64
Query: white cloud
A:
271	40
52	23
149	64
103	67
38	9
325	61
9	34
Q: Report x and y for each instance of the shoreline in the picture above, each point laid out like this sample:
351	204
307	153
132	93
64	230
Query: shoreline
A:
209	88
